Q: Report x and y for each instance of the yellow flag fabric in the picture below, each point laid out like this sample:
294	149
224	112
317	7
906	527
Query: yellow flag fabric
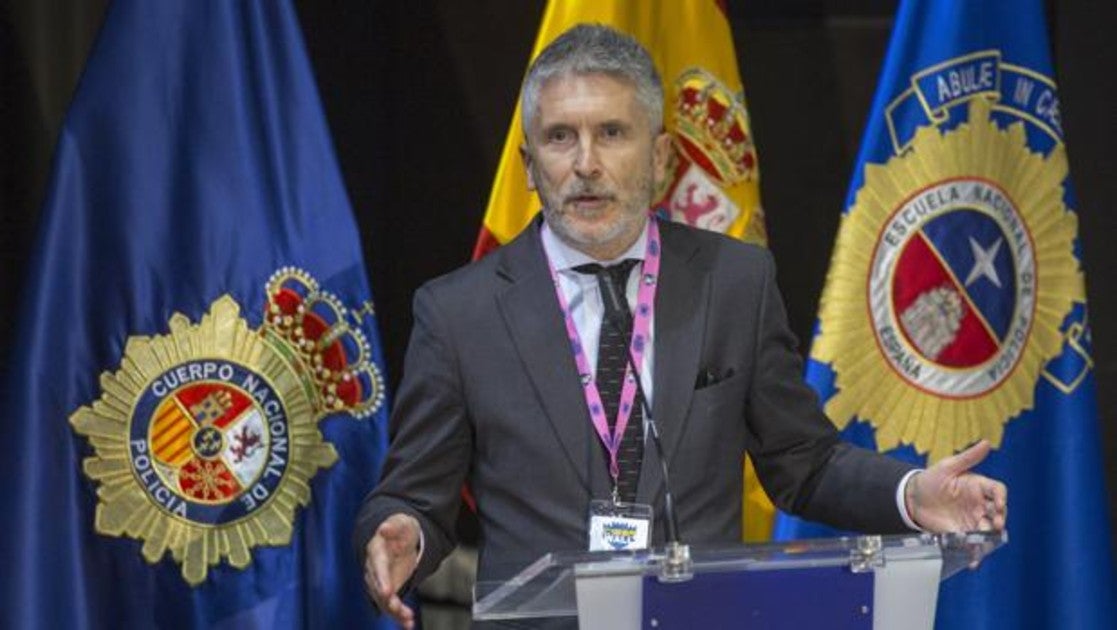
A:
714	165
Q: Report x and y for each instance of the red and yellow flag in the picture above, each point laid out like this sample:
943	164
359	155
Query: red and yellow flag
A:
714	165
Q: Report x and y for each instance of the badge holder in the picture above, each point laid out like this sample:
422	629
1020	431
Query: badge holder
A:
615	526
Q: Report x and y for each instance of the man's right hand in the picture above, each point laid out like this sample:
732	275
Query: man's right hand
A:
390	559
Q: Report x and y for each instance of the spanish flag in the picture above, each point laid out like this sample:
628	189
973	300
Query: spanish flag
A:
714	164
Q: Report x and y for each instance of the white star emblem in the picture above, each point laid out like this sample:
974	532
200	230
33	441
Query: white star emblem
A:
983	263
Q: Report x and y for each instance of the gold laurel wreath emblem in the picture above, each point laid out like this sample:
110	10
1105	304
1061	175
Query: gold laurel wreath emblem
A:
868	386
125	509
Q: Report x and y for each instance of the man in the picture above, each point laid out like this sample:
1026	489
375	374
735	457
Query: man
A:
506	385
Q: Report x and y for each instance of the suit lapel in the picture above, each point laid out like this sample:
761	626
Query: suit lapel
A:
531	313
680	315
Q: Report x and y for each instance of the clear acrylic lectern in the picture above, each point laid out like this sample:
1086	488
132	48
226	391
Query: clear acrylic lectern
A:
878	582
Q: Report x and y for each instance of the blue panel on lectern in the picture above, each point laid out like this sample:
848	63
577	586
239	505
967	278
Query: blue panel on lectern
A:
817	597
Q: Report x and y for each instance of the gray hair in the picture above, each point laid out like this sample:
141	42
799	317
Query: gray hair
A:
595	49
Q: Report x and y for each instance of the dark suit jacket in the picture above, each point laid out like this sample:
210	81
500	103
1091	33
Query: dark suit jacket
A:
490	396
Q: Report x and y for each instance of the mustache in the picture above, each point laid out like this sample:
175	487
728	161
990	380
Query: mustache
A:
588	190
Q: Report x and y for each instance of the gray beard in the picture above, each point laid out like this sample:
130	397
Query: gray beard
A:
629	220
582	242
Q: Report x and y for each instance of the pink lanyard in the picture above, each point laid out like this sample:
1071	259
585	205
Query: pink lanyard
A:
641	325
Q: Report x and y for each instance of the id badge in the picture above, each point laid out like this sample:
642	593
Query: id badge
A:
619	526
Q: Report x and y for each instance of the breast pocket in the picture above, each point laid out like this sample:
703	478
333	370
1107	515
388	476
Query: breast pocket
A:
724	396
715	428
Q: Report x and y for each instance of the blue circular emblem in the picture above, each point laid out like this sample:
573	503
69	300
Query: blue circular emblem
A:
952	294
208	441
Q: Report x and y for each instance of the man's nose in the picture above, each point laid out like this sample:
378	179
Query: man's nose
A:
587	164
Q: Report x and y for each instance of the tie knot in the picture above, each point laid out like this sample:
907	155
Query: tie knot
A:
617	273
612	280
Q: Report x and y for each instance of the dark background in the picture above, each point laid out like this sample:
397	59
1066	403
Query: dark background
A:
419	93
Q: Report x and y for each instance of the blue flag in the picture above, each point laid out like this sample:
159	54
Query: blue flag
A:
955	307
195	407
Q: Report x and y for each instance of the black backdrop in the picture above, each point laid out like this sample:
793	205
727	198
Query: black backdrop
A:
418	94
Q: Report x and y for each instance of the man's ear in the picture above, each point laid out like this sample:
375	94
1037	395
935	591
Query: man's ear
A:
525	155
661	156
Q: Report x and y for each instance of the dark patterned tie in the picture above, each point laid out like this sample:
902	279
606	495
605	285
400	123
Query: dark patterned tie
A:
612	359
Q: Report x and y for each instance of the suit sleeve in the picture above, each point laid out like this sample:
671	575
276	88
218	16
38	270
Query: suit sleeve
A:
431	442
799	458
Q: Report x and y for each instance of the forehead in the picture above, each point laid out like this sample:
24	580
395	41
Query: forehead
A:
571	98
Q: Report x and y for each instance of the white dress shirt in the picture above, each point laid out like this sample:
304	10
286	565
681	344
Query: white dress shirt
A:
583	297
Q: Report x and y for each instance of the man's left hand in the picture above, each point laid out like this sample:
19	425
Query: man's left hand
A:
947	497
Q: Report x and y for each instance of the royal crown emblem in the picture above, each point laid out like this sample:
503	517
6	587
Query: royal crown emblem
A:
205	439
712	127
713	155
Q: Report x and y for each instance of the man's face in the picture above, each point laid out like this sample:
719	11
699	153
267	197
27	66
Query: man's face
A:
594	159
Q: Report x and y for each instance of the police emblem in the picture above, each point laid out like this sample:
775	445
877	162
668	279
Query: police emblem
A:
205	439
952	274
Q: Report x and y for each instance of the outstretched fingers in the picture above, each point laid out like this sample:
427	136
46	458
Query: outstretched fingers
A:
949	497
391	557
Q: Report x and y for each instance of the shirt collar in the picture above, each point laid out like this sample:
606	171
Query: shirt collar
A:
564	257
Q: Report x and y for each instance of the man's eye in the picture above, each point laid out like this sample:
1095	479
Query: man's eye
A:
612	131
560	135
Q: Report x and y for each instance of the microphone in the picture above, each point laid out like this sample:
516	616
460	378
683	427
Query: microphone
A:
676	567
